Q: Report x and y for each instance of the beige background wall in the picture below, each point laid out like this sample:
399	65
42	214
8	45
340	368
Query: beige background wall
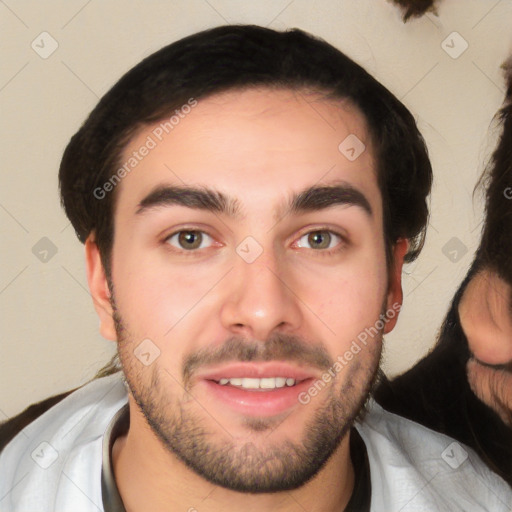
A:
49	339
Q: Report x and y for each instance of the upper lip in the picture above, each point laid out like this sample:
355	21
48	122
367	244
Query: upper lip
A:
257	371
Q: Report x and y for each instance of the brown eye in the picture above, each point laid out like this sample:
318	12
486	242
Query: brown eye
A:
321	239
188	240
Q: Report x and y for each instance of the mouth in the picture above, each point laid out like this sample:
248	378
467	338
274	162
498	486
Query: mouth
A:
257	390
263	384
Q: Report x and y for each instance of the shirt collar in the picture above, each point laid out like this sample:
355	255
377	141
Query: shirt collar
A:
118	426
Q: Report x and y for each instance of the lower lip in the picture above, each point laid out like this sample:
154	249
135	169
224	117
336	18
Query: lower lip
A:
255	402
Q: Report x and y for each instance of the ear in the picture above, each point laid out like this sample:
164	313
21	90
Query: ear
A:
98	287
395	294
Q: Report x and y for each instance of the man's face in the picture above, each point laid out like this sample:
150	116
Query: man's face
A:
253	290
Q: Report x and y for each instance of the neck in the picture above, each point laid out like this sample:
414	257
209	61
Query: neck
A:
149	477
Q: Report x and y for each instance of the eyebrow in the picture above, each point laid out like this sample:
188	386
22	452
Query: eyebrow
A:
201	198
314	198
320	197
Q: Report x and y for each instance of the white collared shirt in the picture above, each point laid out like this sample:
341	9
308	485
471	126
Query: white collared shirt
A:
55	463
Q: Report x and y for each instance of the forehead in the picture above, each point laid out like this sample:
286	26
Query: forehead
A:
256	145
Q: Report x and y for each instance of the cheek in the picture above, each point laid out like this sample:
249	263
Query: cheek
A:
153	296
347	298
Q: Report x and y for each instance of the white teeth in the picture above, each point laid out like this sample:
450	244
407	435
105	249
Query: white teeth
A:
280	382
250	383
265	383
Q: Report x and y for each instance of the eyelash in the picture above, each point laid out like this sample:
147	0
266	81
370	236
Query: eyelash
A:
320	252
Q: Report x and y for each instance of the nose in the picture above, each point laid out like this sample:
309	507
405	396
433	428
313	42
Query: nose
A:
260	299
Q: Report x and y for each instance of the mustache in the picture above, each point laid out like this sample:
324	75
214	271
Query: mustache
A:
279	347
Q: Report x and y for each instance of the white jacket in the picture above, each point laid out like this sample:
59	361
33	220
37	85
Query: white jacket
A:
54	464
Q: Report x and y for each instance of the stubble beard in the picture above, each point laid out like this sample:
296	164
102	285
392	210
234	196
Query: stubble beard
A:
194	437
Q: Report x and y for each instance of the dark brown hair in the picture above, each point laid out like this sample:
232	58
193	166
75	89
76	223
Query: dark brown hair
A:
495	250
